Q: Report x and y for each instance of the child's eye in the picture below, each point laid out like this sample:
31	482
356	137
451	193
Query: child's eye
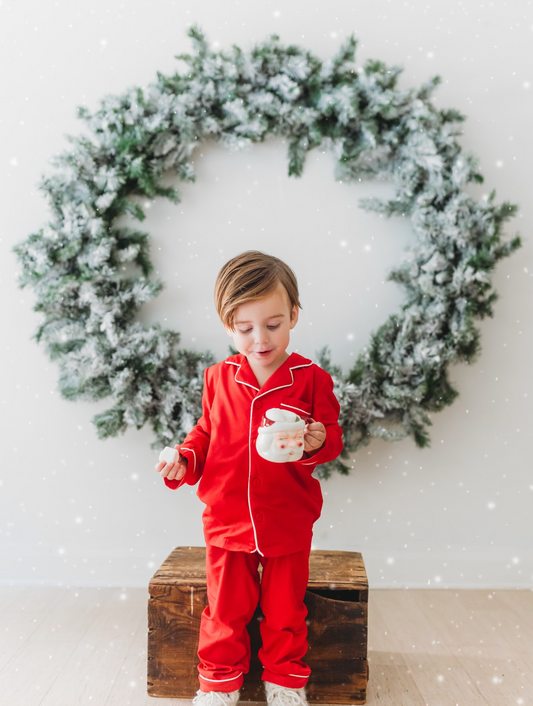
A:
272	328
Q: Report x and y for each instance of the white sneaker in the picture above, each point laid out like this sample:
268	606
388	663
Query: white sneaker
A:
216	698
284	696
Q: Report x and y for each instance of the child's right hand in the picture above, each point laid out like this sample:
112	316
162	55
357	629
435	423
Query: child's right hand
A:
173	471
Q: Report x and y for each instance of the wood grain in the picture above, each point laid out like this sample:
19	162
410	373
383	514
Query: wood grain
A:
85	646
336	601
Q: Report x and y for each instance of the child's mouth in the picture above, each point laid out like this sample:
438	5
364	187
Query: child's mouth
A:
263	354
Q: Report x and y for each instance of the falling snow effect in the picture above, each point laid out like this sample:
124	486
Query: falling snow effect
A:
76	262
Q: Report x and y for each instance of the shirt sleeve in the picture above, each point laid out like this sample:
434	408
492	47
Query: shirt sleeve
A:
326	409
196	444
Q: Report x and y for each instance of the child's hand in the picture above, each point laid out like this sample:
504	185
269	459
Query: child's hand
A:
314	436
173	471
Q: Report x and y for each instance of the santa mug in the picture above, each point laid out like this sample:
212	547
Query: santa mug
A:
280	437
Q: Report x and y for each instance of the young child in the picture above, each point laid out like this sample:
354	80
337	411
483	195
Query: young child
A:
256	510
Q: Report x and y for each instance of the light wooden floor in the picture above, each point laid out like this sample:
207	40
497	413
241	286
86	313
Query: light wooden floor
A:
69	646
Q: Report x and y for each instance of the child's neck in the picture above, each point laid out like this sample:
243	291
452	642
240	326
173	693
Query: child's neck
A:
263	374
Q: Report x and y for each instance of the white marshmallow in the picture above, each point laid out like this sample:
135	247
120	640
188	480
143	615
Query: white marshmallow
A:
281	415
275	414
168	454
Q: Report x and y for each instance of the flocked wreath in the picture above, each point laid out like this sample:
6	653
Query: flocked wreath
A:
75	263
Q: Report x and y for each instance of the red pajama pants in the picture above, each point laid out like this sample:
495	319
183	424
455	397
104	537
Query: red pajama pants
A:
233	592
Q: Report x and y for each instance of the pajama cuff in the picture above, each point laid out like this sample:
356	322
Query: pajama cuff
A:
292	681
226	685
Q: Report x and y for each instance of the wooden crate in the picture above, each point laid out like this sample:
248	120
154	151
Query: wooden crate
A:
337	602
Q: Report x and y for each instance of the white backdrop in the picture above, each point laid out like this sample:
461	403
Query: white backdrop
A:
75	510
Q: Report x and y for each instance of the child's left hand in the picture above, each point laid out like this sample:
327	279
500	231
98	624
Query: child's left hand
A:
314	436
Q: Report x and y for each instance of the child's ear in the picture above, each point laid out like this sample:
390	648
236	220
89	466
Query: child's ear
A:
294	316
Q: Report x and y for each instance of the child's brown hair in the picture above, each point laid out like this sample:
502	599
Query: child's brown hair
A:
249	276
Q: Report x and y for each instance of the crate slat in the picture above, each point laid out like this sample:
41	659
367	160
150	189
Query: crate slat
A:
337	603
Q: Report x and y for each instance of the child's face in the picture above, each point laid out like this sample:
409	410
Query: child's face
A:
262	329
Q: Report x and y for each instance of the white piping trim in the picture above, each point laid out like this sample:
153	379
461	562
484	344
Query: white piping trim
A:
294	367
299	675
185	448
231	362
232	678
249	476
293	407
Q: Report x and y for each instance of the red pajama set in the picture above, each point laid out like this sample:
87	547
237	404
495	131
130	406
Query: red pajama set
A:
256	511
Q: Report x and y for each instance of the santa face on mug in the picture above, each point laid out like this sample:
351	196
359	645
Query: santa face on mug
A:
291	443
281	436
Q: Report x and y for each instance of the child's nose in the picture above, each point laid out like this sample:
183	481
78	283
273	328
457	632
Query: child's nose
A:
261	336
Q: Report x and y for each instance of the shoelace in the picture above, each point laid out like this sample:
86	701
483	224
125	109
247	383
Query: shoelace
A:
213	698
285	696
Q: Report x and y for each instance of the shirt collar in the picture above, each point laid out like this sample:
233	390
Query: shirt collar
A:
282	377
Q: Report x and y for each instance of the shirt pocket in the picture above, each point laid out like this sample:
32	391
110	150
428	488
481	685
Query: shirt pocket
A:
292	404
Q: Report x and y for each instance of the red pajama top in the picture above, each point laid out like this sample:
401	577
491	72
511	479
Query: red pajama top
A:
253	504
